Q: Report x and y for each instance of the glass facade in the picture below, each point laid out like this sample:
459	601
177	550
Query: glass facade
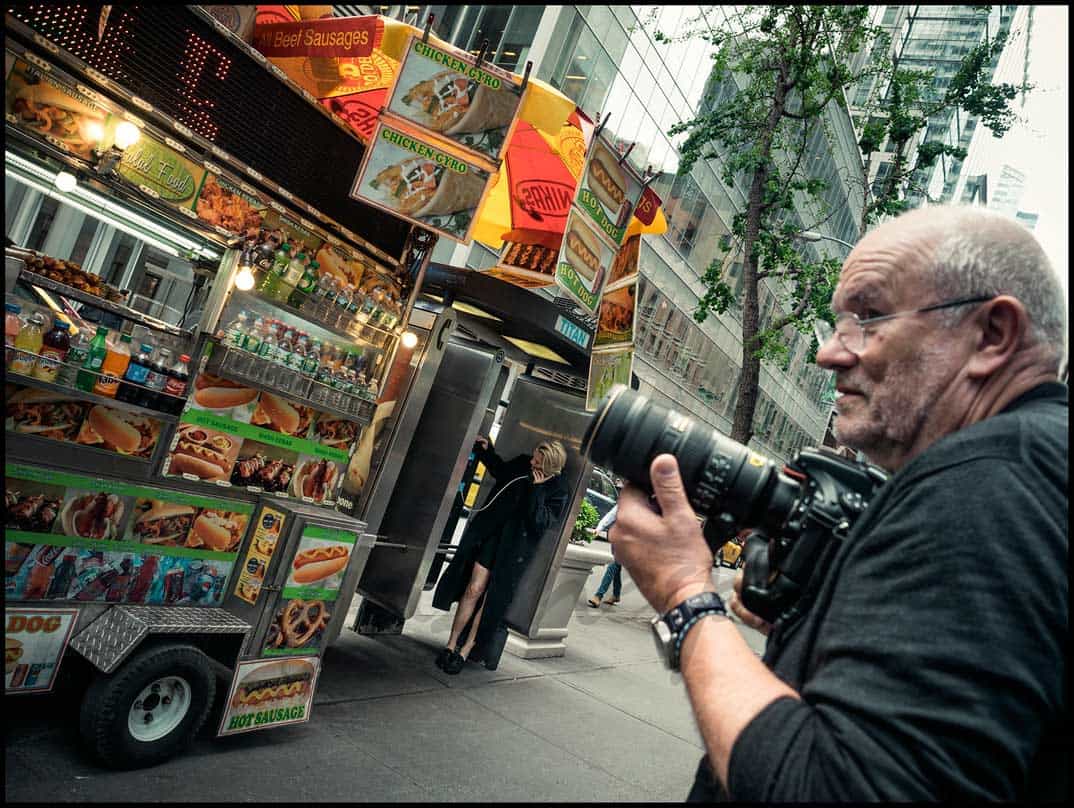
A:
602	58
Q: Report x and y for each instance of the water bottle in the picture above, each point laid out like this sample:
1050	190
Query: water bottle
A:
285	348
312	361
267	349
235	333
324	312
338	315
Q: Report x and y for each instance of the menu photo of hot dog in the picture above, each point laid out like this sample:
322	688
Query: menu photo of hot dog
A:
261	465
205	453
91	514
224	397
281	415
316	478
319	563
118	431
583	262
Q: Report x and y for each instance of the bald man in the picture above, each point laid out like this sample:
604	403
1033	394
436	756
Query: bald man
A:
930	656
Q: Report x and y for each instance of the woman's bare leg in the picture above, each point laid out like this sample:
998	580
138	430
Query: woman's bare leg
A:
472	636
479	579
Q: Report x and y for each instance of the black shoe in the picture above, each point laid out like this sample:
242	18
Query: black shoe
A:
454	663
442	657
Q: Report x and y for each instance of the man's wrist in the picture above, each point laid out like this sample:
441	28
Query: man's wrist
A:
684	592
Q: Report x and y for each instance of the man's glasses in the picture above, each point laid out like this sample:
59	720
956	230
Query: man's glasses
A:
851	329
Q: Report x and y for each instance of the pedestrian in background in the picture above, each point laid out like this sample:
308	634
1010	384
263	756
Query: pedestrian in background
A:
613	573
530	495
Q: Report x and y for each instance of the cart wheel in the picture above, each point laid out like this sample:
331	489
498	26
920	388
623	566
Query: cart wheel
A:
149	709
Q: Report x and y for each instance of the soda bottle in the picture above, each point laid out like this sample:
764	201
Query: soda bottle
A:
136	374
155	380
235	332
296	268
252	339
118	589
98	350
12	326
306	286
115	365
140	588
41	573
75	357
176	384
28	345
61	579
54	347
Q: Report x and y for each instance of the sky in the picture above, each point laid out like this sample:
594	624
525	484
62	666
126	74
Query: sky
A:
1041	148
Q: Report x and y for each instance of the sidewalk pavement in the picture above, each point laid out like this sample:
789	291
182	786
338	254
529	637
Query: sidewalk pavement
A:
605	722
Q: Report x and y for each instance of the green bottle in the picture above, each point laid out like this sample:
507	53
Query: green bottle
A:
271	282
98	350
305	286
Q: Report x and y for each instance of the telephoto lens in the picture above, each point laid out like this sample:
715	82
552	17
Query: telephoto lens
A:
724	480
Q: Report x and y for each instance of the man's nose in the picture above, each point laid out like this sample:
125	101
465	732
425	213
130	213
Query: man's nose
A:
833	354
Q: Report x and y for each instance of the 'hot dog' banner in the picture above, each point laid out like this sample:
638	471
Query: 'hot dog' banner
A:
420	179
583	262
608	191
34	642
444	91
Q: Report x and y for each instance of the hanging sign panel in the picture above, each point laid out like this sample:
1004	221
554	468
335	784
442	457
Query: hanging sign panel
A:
608	191
418	179
444	91
607	369
583	262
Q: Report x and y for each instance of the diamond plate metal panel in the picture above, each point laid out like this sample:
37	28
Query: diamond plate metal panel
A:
109	639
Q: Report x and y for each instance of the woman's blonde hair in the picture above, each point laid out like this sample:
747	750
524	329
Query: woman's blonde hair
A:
553	456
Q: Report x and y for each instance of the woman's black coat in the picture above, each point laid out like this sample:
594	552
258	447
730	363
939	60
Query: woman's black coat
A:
520	516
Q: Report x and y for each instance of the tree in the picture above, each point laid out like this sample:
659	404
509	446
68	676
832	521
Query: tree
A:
775	70
906	103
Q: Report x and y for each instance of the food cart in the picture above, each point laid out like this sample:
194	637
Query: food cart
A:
217	519
169	526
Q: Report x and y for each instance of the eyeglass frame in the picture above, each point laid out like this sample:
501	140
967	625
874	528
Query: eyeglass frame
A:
833	330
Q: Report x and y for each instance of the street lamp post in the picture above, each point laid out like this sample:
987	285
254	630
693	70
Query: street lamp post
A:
813	235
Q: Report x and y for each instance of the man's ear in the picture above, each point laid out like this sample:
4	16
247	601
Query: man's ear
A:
1001	327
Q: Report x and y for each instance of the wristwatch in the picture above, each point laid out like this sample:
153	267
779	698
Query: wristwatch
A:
670	629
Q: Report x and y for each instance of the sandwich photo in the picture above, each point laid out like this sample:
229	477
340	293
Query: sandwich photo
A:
582	250
12	654
281	415
332	262
217	530
419	188
337	433
317	563
57	114
121	432
31	411
315	478
217	393
30	506
92	516
453	104
616	316
626	260
164	523
274	682
205	453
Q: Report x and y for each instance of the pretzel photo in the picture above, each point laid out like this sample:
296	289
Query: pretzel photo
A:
301	620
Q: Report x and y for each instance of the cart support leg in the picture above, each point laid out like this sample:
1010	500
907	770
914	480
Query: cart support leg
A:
374	619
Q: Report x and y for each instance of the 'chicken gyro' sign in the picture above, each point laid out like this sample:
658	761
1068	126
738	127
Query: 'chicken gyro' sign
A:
438	140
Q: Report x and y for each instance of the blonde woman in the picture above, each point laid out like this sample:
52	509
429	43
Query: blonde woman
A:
530	495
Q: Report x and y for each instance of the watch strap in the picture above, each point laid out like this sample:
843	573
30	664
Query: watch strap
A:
685	616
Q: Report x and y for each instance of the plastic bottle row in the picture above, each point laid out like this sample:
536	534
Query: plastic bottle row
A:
274	341
99	365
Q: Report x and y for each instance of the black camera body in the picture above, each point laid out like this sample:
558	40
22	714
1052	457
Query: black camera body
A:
797	511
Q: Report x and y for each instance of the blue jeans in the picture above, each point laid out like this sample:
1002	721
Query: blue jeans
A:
613	578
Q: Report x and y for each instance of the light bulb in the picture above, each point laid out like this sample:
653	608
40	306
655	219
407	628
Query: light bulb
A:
94	131
127	135
244	279
409	340
66	181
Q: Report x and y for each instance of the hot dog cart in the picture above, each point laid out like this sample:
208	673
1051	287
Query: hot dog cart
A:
170	534
220	521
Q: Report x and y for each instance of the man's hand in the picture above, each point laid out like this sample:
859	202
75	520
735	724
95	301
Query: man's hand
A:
665	553
540	477
744	614
481	441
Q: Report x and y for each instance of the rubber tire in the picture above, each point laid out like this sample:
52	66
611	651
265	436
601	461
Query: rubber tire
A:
105	707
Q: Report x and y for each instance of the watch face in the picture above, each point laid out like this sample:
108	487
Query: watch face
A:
662	637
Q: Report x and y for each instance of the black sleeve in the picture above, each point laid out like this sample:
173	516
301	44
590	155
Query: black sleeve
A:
544	505
492	461
940	658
